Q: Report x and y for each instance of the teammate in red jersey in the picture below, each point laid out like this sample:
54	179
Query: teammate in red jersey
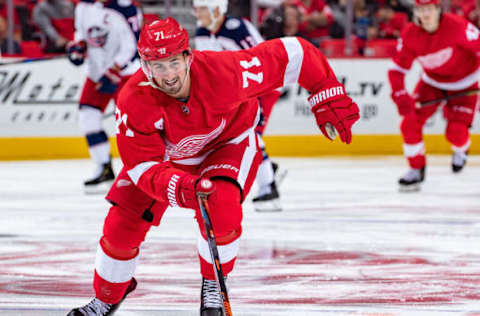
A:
190	116
446	47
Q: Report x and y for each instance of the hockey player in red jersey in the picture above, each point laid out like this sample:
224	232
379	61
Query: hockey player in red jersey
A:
217	31
190	116
446	47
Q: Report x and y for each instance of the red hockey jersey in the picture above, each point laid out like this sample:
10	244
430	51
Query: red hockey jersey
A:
448	56
156	133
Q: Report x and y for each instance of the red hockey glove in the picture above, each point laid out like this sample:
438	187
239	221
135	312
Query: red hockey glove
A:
330	104
404	101
76	52
190	187
110	80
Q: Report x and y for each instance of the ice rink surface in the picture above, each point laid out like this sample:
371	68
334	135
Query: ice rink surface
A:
347	243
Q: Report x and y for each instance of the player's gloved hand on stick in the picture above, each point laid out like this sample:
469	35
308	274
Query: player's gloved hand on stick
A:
404	101
190	187
110	80
330	104
76	52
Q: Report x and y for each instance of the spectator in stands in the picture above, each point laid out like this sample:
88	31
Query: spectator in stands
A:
291	21
390	22
316	18
365	27
17	21
469	9
239	8
337	28
405	6
23	10
55	20
4	40
282	21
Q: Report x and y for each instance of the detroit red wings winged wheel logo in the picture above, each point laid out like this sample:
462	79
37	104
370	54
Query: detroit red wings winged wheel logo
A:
192	145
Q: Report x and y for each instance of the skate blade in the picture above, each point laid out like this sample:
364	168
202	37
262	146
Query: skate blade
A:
100	188
410	188
268	206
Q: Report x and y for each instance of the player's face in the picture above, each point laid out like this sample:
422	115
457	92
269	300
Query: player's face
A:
203	16
428	15
170	73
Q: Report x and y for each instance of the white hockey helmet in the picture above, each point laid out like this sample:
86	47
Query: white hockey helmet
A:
212	5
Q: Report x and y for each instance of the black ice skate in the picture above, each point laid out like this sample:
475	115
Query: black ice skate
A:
411	181
211	299
459	159
99	308
102	183
268	202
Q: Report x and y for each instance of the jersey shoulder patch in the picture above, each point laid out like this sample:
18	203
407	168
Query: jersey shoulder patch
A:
124	3
232	23
125	10
234	29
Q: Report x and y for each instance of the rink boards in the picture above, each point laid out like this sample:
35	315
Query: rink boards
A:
38	106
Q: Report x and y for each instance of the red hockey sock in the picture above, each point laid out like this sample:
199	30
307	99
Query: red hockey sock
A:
457	134
114	270
108	292
417	162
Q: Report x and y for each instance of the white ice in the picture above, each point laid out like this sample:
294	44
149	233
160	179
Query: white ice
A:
347	243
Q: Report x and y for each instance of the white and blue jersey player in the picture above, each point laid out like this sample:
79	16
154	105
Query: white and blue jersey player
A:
106	34
218	32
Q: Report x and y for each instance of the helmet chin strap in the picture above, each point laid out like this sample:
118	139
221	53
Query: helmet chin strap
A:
188	70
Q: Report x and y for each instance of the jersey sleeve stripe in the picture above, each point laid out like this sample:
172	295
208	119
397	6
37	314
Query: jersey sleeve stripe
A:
394	66
295	59
136	172
461	84
247	159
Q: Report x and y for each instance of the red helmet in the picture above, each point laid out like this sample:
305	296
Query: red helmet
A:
161	39
425	2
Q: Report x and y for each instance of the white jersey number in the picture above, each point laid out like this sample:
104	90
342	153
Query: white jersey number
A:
247	75
159	35
472	32
122	120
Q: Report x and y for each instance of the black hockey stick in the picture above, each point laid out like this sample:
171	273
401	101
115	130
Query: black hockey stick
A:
449	97
212	245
